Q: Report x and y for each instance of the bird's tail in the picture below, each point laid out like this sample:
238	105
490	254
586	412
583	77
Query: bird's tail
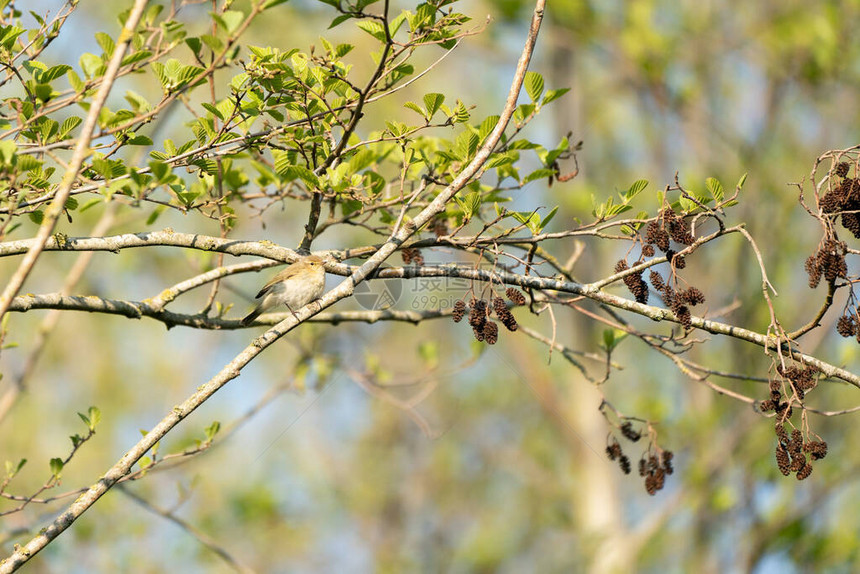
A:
249	318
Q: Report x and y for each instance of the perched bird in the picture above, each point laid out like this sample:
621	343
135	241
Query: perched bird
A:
295	287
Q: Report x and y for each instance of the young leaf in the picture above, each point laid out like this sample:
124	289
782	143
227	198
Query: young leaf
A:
715	188
432	103
635	188
534	85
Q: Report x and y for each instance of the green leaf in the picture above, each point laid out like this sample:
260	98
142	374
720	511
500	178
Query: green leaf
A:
69	124
7	151
340	20
715	188
529	218
76	82
155	213
487	126
92	65
415	108
432	102
290	172
139	140
12	469
534	85
230	20
56	466
95	416
543	173
106	43
500	159
465	145
373	28
53	73
742	181
213	110
134	57
212	430
553	95
548	218
461	114
36	216
634	189
470	204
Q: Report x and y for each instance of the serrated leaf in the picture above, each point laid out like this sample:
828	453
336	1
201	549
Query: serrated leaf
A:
487	126
534	85
470	204
634	189
432	102
461	114
715	188
415	108
54	72
373	28
465	145
135	57
69	124
500	159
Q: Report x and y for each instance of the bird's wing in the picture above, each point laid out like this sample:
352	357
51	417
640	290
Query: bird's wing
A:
285	274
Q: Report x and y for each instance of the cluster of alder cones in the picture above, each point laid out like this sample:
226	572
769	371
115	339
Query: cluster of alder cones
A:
480	311
660	233
791	451
653	467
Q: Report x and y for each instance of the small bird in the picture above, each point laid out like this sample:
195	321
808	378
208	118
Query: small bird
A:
295	287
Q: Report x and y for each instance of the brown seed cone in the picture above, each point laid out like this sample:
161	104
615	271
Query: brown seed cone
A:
499	306
478	314
491	332
629	432
459	310
515	296
804	472
782	460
